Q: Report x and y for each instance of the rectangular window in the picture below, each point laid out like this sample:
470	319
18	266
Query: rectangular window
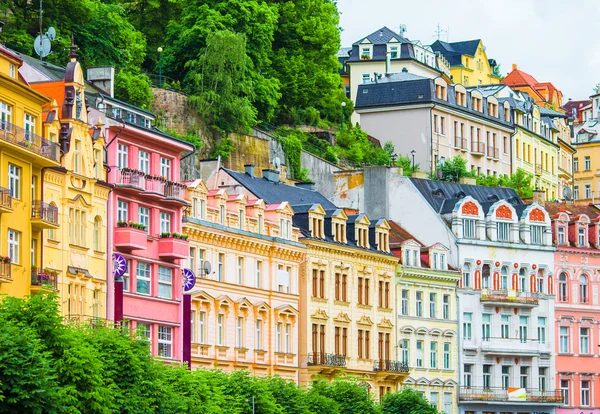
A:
420	354
584	340
504	232
432	305
366	78
467	325
486	326
505	377
581	235
587	188
14	181
542	379
419	304
144	217
469	229
434	400
524	376
393	52
504	326
523	327
165	342
447	355
220	267
126	277
144	330
564	339
287	344
259	334
202	327
433	355
165	168
404	308
446	307
467	375
585	393
542	330
240	271
278	337
405	351
14	246
142	276
587	163
258	273
165	222
240	332
220	329
564	390
122	211
561	235
165	282
447	403
575	164
29	126
6	115
122	156
487	376
144	162
537	233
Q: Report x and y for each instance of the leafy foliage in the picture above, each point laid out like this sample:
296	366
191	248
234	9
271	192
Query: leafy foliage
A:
520	181
406	401
134	88
455	168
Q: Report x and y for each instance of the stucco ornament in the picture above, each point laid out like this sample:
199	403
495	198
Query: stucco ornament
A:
470	208
537	215
503	212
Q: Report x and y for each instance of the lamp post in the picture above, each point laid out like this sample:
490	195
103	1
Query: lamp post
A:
159	50
413	152
342	126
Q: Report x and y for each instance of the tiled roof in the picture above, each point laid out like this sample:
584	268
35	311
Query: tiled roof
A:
453	51
518	77
299	198
399	235
551	113
344	52
381	37
573	210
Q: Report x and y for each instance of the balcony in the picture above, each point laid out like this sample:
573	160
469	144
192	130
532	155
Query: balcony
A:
127	238
509	297
155	186
514	346
516	395
493	153
5	200
30	141
41	280
43	216
129	179
460	143
175	191
385	365
538	169
5	271
477	148
171	248
329	360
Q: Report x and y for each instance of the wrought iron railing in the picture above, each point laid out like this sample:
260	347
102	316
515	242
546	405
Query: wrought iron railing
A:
509	296
44	279
44	211
132	178
321	358
500	394
460	143
5	197
493	152
5	270
478	147
33	142
386	365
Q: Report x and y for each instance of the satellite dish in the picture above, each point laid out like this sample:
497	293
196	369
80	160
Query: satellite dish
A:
568	193
207	267
42	49
277	162
51	33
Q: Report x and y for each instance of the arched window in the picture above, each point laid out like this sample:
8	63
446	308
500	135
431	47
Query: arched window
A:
485	276
583	289
97	237
466	275
522	280
504	278
563	288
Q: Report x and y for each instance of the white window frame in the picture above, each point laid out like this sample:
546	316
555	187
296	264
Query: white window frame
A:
122	156
470	229
165	281
584	340
144	217
122	211
165	222
258	338
146	276
467	326
503	231
537	234
165	341
144	161
541	329
220	329
165	168
14	181
202	327
239	340
14	246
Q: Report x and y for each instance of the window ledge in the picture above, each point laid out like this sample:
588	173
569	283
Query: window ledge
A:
318	299
99	252
52	241
78	247
221	347
362	306
341	302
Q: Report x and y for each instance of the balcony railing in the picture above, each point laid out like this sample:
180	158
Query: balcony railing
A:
493	152
460	143
514	346
5	270
174	190
29	140
331	360
5	198
502	395
45	279
132	178
511	296
386	365
44	211
477	147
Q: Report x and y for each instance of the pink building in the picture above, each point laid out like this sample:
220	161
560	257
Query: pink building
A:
145	226
576	230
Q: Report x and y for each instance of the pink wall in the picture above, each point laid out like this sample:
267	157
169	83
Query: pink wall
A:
140	307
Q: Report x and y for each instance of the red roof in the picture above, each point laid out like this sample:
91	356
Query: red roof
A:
518	78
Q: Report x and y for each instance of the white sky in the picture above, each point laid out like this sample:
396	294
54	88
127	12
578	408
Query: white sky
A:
555	41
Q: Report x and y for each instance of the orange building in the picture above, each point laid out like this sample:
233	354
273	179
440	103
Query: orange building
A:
544	93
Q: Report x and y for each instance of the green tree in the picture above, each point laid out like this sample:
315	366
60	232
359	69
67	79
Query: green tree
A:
406	401
134	89
521	182
455	168
405	162
345	395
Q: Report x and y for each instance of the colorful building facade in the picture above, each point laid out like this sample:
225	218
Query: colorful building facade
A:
426	319
75	251
26	154
576	234
545	94
245	306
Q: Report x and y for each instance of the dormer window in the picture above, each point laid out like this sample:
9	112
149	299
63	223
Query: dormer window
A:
503	231
469	228
507	114
476	104
581	237
537	234
561	235
339	232
383	241
461	98
394	52
411	257
438	261
492	109
362	237
317	228
440	92
12	71
365	52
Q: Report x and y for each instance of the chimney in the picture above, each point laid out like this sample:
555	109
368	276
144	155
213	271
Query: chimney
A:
249	169
514	66
467	180
103	78
271	175
538	196
307	186
388	62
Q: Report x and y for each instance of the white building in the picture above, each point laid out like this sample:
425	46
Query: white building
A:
504	250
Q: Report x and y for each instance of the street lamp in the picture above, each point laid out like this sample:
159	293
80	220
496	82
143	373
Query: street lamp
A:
159	50
413	152
342	126
248	400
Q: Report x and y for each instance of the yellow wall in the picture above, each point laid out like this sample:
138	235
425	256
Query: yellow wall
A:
475	71
584	177
16	212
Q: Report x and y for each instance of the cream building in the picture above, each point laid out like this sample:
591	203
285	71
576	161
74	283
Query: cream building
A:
245	310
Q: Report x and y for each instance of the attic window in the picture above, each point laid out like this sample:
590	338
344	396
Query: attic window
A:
383	241
317	227
514	201
439	193
460	194
493	197
362	237
365	90
339	232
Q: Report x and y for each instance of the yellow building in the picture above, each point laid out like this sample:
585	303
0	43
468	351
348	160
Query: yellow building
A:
427	319
75	248
24	157
469	63
586	163
245	310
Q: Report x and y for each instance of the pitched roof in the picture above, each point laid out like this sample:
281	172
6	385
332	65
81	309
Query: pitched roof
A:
551	113
453	51
300	199
399	235
572	210
518	78
381	37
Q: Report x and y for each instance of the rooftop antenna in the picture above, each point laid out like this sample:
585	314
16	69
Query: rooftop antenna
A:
439	31
41	44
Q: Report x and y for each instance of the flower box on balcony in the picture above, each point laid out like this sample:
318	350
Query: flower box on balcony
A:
130	238
170	248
